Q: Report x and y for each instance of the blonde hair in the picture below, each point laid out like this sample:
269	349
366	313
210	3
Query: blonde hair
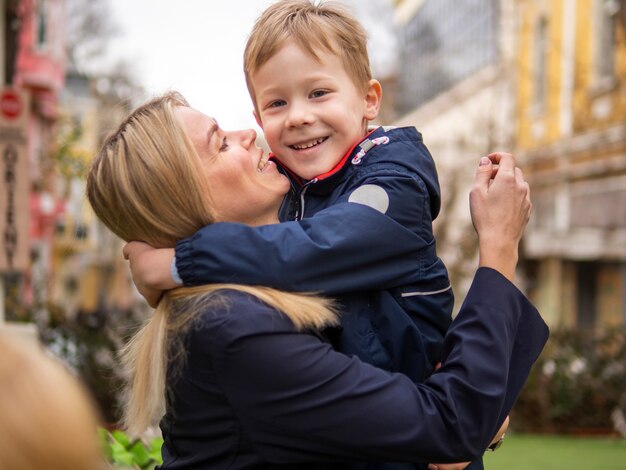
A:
144	185
314	26
47	418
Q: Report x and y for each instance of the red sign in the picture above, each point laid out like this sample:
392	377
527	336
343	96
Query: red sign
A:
10	104
15	181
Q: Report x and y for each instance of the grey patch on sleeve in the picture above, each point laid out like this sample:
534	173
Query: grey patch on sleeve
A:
372	196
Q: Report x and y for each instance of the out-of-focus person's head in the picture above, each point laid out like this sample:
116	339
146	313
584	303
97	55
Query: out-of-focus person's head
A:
47	419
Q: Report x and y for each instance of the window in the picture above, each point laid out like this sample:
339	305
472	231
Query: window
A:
586	294
540	72
41	24
606	14
444	43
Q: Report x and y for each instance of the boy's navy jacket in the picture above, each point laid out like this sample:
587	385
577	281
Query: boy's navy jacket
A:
364	235
254	393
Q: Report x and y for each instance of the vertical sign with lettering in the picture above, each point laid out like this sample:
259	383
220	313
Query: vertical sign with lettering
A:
14	181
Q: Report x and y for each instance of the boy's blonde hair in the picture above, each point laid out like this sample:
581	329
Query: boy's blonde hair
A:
146	184
325	26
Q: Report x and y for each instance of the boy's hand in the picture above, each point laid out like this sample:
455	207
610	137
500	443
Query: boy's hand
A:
448	466
150	270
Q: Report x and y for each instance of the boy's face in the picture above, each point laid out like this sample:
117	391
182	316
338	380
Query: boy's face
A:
311	112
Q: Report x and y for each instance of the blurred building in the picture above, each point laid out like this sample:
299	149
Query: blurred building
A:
91	301
546	79
40	71
33	63
454	84
89	273
571	136
60	257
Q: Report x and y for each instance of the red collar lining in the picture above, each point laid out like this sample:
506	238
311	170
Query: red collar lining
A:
332	171
342	162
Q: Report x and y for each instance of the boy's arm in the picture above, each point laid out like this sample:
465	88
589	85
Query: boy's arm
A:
343	248
372	238
331	252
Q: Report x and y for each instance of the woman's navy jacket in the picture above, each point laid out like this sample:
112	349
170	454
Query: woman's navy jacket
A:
253	393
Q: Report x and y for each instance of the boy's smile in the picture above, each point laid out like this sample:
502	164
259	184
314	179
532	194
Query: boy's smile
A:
311	111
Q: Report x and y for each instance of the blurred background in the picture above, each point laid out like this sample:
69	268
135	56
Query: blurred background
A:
544	79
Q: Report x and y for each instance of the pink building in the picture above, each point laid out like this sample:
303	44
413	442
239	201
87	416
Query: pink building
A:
39	70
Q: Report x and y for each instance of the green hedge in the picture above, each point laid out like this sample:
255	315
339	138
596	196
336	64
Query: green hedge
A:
577	385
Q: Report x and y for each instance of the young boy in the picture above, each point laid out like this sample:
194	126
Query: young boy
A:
308	74
364	199
307	71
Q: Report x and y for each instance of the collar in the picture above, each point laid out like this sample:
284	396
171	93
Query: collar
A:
324	176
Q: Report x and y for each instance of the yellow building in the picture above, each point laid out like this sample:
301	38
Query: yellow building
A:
89	273
454	84
571	140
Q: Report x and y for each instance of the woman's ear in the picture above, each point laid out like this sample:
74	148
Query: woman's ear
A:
373	97
257	119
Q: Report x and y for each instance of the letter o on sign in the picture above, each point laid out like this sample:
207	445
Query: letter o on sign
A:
10	104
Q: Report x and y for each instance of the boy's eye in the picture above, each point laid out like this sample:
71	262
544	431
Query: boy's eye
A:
276	104
318	93
224	145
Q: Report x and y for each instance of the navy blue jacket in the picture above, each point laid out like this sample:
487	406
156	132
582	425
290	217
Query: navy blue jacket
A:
364	236
253	393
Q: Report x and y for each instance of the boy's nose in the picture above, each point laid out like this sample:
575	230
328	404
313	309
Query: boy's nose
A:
299	115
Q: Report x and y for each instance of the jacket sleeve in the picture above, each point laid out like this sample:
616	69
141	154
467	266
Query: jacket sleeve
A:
400	194
346	247
300	401
377	236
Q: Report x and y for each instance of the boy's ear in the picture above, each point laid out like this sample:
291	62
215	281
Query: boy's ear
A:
373	97
257	119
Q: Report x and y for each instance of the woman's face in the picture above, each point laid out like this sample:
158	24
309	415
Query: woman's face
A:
244	186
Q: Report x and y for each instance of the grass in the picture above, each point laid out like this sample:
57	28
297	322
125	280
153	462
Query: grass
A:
536	452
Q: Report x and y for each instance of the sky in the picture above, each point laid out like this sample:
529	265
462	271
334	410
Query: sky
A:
196	47
193	46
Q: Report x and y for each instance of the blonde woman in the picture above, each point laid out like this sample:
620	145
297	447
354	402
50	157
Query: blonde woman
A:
240	377
47	420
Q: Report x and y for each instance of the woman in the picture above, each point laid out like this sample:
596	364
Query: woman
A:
240	372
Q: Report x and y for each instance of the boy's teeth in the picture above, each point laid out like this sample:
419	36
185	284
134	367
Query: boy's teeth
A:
308	145
263	162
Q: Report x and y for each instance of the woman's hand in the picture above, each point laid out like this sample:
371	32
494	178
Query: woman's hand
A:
500	207
150	270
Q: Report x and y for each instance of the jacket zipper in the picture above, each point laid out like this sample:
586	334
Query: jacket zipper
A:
300	212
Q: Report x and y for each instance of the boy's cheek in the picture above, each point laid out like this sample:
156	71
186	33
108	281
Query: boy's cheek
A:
272	136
